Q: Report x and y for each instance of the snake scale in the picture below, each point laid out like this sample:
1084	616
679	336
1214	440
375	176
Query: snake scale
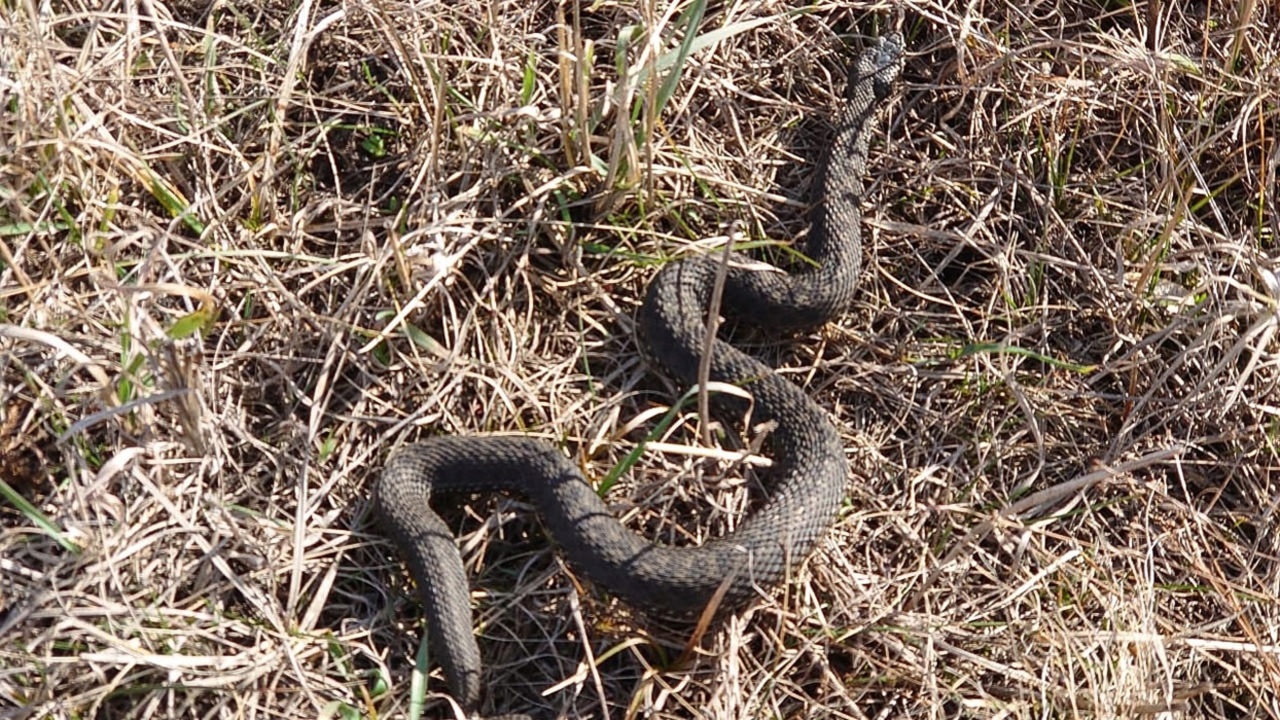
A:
808	477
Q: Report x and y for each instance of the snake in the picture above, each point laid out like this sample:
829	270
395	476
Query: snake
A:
805	485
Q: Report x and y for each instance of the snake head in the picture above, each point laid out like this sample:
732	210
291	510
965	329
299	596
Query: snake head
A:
881	61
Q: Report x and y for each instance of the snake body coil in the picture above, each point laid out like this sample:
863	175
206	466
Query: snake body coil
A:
808	474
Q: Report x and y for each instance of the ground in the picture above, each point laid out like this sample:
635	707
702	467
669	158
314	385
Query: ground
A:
248	249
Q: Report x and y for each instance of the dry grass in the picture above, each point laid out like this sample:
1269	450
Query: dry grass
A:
248	248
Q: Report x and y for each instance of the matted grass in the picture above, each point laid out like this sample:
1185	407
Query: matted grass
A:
248	249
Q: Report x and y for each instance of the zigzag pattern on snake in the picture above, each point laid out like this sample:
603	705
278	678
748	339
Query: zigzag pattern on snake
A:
806	482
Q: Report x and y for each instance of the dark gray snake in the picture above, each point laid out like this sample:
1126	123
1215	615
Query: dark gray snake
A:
809	467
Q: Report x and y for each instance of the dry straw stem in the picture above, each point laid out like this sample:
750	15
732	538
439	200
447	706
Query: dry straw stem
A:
248	248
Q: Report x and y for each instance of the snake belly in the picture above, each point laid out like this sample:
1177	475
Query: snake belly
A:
807	480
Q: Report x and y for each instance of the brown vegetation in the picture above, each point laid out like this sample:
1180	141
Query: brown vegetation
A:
249	248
